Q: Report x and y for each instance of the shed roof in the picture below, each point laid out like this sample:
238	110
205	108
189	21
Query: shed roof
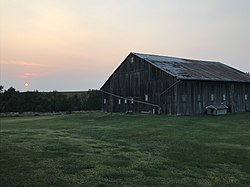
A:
189	69
217	106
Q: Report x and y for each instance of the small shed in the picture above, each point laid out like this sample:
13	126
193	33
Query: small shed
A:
217	109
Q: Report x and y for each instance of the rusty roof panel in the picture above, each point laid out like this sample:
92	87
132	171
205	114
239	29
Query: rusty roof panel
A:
195	69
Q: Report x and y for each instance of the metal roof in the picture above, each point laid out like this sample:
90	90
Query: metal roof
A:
195	69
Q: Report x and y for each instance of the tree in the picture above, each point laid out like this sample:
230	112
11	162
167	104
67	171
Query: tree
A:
14	101
1	89
11	100
2	105
93	100
74	103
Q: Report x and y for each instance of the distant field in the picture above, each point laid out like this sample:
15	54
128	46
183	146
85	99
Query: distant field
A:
97	149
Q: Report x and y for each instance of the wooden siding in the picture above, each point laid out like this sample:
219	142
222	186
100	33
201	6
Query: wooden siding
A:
198	96
135	80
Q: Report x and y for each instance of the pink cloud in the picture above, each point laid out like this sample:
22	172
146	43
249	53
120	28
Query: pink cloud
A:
22	63
26	75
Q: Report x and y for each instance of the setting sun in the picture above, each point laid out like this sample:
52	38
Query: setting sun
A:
26	84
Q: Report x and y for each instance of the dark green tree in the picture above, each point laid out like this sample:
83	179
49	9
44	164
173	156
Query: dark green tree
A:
93	100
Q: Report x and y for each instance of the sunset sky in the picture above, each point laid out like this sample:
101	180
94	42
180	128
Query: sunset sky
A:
76	44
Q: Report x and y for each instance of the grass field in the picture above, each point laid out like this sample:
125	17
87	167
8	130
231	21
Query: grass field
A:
97	149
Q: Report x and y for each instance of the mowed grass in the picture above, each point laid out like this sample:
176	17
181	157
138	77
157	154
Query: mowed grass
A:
97	149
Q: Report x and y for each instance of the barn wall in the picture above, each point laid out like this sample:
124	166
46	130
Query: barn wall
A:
194	96
135	80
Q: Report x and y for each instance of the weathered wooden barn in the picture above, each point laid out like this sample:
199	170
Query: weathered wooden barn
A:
174	86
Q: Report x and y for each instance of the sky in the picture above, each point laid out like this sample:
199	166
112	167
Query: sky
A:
75	45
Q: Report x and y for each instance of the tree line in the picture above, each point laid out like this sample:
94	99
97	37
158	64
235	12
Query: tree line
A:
12	100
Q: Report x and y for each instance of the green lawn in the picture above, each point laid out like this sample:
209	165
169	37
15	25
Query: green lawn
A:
97	149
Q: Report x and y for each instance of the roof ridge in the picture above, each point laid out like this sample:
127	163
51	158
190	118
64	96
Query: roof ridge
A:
181	58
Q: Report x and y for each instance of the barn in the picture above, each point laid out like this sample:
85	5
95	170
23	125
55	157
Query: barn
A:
145	83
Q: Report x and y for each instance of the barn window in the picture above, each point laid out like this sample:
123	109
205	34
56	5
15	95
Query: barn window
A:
132	101
184	97
245	96
146	97
119	101
125	101
224	97
132	59
199	97
104	101
212	97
